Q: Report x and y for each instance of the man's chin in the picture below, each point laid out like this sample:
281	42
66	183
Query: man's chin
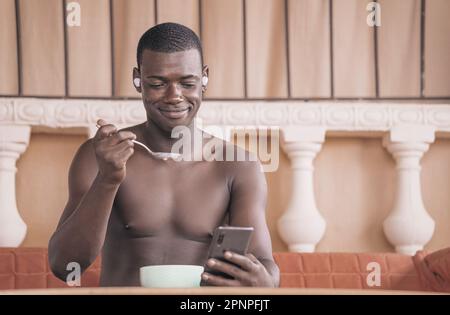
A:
169	124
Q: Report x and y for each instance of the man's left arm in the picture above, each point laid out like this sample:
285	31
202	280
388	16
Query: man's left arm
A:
247	208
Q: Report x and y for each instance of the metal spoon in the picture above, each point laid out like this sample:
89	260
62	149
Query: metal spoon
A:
160	155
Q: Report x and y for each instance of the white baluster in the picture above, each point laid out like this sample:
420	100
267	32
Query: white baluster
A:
13	142
302	226
409	226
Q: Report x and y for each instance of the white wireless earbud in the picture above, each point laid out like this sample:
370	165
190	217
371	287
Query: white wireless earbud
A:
137	82
204	80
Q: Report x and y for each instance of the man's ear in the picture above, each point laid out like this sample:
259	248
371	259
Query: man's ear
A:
137	82
205	73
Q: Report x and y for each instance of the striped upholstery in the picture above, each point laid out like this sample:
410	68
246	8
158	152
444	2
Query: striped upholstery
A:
23	268
27	268
346	270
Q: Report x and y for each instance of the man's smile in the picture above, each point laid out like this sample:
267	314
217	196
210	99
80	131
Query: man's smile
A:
175	112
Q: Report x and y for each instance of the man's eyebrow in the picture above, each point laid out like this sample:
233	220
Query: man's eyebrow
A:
156	77
186	77
191	76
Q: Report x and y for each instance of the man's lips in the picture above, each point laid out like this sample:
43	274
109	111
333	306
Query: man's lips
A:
175	112
174	109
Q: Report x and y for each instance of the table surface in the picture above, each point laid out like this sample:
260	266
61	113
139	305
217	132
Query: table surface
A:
205	291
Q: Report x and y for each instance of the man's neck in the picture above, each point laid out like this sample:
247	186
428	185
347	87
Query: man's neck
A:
160	140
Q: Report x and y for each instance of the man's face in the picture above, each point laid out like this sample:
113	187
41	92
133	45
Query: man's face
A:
171	87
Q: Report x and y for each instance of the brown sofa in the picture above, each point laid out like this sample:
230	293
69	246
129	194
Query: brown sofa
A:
24	268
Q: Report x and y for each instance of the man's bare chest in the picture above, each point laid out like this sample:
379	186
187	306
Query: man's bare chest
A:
188	200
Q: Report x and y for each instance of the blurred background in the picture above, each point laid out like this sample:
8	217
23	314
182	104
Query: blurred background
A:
289	50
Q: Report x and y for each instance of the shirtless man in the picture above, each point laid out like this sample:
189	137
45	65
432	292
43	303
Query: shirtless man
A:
137	210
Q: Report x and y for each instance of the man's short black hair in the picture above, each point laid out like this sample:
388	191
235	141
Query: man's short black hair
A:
168	37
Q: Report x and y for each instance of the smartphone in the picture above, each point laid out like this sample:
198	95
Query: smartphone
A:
228	238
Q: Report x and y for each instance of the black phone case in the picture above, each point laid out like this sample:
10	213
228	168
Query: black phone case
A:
228	238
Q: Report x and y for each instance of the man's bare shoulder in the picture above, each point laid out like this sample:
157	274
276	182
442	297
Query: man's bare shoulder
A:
85	151
236	160
84	157
247	181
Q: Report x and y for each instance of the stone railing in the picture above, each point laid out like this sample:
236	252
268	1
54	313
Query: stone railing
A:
407	129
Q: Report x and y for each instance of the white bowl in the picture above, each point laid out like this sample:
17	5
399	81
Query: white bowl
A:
171	276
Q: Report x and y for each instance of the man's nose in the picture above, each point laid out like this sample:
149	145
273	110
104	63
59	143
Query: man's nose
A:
173	94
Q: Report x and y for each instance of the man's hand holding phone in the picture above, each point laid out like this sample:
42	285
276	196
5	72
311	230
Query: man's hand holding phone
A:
229	264
246	271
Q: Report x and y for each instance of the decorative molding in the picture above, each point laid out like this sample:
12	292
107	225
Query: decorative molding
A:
334	116
304	126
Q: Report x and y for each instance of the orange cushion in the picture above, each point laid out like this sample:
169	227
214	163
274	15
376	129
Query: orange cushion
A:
23	268
28	268
346	270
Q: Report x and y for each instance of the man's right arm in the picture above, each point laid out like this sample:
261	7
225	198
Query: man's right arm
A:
94	178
